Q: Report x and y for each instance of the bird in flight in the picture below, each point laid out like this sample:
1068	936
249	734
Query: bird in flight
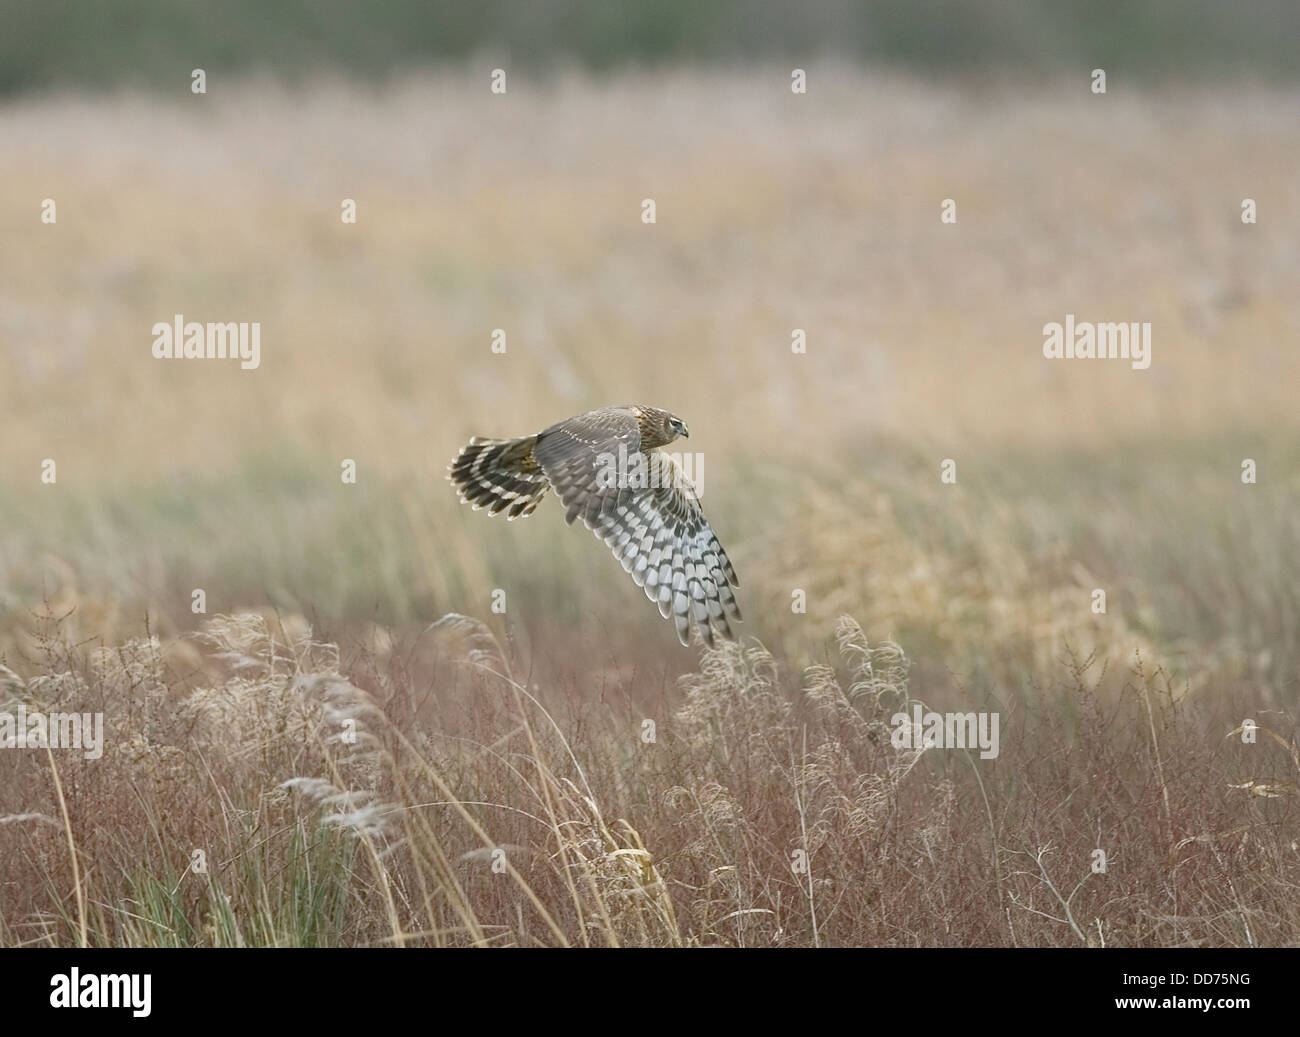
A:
606	469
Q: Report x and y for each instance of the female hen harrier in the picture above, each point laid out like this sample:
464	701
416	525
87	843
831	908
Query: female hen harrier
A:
604	467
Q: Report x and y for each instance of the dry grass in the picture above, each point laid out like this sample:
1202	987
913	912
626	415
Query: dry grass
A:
775	212
327	814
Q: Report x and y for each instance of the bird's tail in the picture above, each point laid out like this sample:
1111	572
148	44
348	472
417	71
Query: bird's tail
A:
500	474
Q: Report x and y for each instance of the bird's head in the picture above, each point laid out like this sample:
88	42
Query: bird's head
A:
659	427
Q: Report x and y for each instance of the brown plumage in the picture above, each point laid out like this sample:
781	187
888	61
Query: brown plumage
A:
653	521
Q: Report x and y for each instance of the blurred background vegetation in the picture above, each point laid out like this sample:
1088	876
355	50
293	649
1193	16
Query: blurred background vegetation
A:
480	212
70	43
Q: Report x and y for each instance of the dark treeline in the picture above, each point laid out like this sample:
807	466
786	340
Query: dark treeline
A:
52	43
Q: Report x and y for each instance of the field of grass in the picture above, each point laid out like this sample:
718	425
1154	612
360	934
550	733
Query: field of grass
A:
528	731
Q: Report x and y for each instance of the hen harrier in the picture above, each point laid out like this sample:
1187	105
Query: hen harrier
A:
604	467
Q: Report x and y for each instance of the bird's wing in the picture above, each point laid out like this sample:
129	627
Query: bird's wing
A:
657	531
